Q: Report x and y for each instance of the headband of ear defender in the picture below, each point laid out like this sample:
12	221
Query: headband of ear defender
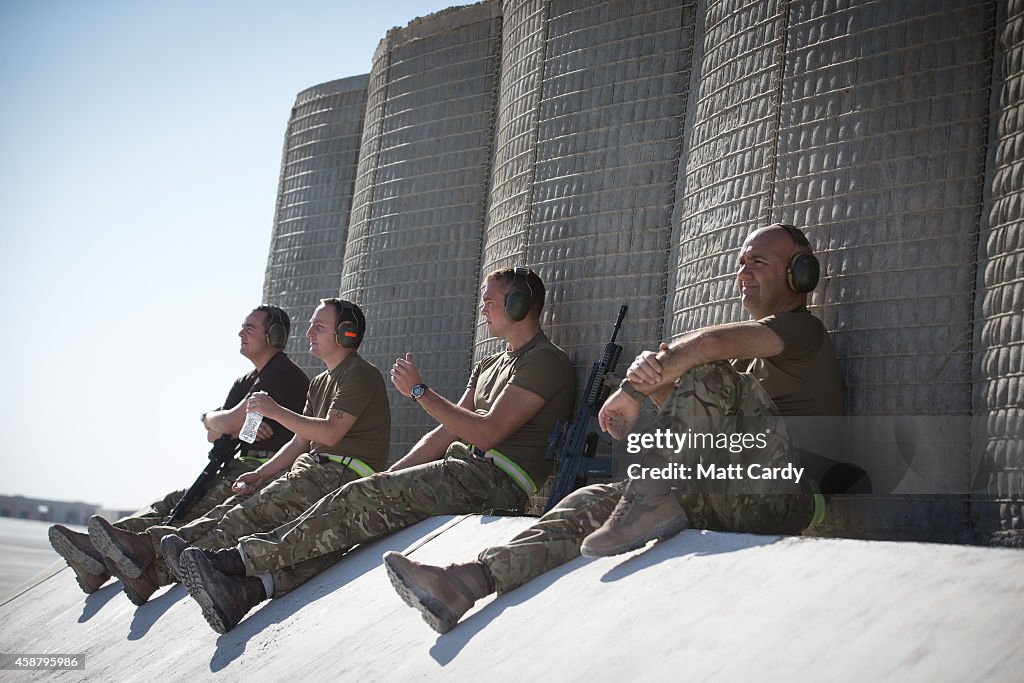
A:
802	270
277	330
349	332
517	302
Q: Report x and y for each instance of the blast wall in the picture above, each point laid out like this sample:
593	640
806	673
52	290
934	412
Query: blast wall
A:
998	454
587	143
625	149
318	169
412	259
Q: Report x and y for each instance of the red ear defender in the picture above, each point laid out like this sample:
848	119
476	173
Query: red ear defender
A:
347	334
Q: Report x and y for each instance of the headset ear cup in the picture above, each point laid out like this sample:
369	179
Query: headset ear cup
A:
277	336
803	272
517	305
347	334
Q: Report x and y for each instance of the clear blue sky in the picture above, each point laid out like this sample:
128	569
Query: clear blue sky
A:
140	148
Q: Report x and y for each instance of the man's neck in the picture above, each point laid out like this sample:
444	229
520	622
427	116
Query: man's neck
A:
521	334
336	359
262	361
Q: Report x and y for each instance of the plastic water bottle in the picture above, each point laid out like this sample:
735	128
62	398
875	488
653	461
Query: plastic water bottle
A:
253	420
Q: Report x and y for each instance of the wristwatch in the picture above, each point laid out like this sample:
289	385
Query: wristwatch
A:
418	391
632	391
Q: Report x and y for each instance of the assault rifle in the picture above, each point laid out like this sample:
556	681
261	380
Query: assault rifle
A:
224	449
572	445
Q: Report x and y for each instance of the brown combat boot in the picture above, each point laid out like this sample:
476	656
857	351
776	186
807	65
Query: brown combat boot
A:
637	518
442	595
131	553
224	599
139	588
171	546
81	556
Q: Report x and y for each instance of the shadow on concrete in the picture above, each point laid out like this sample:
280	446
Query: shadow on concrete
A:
694	543
94	602
449	645
148	614
349	567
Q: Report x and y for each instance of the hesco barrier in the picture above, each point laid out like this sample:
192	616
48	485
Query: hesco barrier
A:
413	254
625	149
998	453
318	169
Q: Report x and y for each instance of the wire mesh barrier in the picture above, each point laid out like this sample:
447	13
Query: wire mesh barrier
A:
413	254
998	453
625	150
321	151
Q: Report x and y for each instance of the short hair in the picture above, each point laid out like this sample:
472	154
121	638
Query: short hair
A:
275	314
530	285
357	313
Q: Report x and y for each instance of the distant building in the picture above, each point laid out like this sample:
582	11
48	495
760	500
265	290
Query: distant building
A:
46	510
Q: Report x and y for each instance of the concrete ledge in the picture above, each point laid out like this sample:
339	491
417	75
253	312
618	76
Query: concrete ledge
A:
702	606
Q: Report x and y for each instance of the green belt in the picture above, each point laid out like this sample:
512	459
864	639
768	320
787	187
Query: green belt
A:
819	504
354	464
518	474
256	456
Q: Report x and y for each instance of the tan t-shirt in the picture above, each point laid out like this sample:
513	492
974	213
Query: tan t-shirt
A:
803	381
539	367
354	386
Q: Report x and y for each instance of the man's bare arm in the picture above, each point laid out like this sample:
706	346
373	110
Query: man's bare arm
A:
434	443
654	373
228	421
511	410
281	461
326	430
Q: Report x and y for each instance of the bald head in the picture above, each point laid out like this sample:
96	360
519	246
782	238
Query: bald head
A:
762	274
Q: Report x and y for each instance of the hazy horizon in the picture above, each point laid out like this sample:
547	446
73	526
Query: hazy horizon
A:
142	152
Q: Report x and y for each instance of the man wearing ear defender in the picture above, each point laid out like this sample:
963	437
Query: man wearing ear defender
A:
343	434
793	373
263	336
486	454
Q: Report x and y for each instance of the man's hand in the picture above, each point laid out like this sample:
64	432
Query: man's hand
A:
261	402
404	375
646	369
247	483
618	414
264	432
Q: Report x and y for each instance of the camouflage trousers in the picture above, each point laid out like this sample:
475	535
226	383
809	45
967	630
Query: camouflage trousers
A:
375	506
218	491
717	394
280	501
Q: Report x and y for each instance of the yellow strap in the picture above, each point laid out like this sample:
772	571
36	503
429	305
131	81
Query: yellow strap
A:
819	504
354	464
518	474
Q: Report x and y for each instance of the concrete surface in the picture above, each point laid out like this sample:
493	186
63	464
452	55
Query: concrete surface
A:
24	551
702	606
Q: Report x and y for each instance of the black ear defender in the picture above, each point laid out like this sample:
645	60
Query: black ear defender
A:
351	325
517	302
802	270
277	326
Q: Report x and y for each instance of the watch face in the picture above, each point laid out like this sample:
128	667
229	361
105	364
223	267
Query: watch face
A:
418	390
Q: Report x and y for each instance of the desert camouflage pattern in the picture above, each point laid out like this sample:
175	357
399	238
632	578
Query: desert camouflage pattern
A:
718	398
375	506
280	501
218	492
